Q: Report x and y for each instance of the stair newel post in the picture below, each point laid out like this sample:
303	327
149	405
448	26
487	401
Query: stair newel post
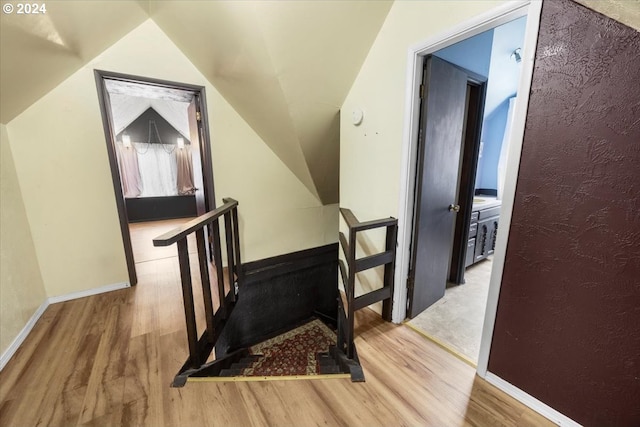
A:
351	262
187	299
228	233
217	259
389	271
206	284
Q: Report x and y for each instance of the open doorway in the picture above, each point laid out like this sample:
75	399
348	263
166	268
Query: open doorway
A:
159	154
465	122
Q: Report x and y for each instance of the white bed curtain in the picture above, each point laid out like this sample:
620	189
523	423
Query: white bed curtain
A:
158	169
129	171
155	170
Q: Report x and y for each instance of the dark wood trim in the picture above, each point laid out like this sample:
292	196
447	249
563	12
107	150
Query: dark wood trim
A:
105	109
269	268
113	75
140	209
355	265
184	230
371	298
468	169
371	261
353	223
206	158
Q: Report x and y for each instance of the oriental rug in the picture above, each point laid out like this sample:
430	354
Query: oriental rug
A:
292	353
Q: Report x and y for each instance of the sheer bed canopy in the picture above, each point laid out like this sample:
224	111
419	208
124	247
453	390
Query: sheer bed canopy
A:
152	146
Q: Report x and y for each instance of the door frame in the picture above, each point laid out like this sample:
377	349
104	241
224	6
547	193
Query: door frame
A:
107	124
491	19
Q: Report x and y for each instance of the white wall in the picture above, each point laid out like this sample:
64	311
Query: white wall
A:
21	287
370	154
61	162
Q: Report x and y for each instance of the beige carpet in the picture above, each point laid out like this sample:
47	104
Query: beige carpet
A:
456	319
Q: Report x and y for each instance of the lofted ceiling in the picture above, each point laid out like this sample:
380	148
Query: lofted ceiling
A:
285	66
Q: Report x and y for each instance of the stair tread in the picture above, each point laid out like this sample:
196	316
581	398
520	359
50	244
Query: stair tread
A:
230	372
240	365
333	369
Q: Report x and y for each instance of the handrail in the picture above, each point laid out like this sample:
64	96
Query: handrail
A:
207	232
355	225
386	258
176	234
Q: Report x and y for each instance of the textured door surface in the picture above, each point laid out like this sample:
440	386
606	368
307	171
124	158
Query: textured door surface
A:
442	119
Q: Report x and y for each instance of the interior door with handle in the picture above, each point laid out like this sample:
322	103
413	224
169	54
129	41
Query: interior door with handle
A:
441	131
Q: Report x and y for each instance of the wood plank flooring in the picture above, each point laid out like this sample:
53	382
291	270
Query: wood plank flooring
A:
109	360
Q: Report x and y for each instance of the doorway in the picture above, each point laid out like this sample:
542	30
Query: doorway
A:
462	146
159	153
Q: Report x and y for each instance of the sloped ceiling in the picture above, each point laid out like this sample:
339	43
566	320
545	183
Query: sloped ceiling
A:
285	66
39	51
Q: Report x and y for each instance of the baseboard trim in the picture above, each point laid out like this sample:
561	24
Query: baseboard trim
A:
533	403
22	335
18	340
89	292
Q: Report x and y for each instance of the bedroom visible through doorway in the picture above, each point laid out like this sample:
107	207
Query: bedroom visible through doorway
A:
159	153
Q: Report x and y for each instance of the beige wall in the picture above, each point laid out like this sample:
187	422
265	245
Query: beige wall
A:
61	162
370	154
21	287
625	11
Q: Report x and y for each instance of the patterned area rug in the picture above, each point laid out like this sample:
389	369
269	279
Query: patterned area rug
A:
292	353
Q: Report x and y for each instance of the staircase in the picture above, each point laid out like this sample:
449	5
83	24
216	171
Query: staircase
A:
277	317
305	350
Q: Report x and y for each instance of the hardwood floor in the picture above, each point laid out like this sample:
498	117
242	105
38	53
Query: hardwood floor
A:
109	360
143	233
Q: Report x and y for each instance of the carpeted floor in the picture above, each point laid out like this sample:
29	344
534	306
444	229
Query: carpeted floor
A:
456	319
292	353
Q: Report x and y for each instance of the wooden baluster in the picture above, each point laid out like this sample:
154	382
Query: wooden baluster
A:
236	245
217	259
340	339
206	284
228	234
351	262
389	271
187	299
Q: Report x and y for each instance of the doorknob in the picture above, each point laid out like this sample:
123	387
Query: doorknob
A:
454	208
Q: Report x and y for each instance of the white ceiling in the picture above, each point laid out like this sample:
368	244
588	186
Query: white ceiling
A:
285	66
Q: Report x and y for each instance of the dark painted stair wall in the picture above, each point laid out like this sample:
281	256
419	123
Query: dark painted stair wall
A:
280	292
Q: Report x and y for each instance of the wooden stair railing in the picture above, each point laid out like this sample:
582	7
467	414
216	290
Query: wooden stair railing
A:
200	349
354	266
